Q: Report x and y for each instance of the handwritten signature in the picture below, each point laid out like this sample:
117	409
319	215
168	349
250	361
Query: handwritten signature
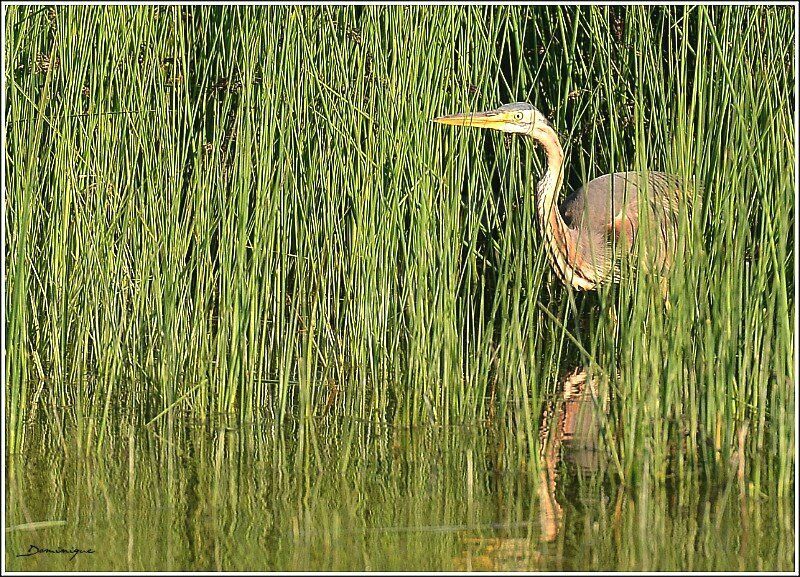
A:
34	550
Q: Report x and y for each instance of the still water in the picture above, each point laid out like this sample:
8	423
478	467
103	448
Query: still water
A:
318	495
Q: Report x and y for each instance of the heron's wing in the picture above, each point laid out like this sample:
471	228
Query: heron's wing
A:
612	212
625	223
656	212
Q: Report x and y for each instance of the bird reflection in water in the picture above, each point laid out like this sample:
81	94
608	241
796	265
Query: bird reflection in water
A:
570	428
570	425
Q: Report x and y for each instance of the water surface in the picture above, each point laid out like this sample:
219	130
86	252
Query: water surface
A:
318	495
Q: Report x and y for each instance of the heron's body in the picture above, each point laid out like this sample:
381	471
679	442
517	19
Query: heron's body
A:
593	228
604	216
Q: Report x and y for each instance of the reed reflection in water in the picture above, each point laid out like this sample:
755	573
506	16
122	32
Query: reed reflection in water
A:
323	494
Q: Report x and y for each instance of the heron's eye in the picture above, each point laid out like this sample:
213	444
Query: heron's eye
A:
518	116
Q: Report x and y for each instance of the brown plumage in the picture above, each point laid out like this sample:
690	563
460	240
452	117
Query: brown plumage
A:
594	227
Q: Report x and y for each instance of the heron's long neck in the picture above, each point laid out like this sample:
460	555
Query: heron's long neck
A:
557	236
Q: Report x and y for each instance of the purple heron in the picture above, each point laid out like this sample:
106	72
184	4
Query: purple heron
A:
604	216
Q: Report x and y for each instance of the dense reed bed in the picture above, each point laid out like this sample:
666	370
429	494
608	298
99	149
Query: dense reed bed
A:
247	210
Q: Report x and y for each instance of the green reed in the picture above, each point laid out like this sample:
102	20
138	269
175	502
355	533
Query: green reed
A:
247	210
231	498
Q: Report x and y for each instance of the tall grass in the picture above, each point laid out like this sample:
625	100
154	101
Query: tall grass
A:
247	210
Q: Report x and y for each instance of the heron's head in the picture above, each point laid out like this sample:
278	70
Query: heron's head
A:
516	118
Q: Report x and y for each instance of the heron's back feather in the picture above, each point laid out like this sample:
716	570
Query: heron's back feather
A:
615	210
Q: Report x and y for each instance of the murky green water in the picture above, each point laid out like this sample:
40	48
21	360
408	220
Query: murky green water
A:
360	496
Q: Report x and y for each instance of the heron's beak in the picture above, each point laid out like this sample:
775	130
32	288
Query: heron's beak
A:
487	119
